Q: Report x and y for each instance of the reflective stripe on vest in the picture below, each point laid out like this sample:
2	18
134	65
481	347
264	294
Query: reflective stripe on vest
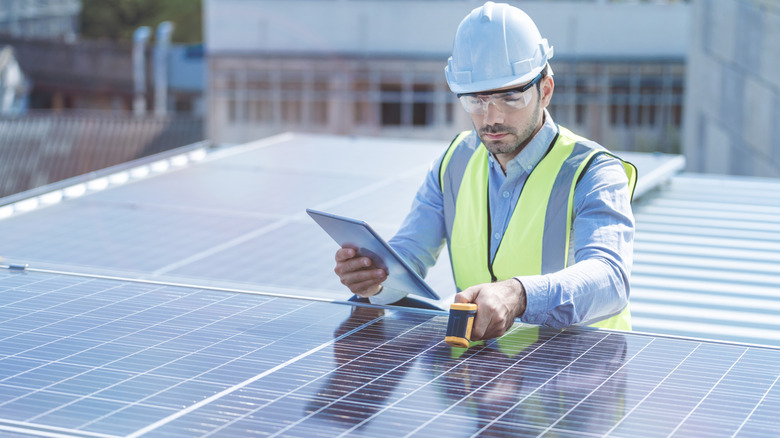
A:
536	240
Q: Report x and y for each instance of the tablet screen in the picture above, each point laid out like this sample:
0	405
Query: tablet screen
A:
357	233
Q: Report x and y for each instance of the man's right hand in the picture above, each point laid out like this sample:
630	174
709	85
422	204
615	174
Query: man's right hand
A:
360	274
499	304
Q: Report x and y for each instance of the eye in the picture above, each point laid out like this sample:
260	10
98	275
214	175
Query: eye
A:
511	97
473	100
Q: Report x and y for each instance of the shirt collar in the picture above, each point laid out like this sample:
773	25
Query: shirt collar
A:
535	150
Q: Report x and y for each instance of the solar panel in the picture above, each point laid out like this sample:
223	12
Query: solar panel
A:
235	218
91	356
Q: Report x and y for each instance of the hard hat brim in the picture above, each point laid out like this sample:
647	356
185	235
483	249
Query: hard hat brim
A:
461	87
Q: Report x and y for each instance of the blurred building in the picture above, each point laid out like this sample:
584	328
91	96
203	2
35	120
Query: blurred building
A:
98	75
375	67
732	107
40	18
55	20
186	79
14	86
67	73
67	106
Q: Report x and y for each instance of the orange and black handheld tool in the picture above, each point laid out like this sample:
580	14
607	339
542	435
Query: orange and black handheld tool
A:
460	323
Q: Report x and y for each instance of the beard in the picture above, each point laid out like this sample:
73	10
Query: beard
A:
516	136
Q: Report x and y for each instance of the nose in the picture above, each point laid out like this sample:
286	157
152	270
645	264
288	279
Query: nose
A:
492	113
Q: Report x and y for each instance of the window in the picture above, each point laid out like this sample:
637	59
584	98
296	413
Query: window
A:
258	92
422	106
320	94
363	102
391	104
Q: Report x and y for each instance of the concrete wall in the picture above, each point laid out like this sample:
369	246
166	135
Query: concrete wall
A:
732	102
426	27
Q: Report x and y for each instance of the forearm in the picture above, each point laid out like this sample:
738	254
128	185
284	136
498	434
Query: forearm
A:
587	291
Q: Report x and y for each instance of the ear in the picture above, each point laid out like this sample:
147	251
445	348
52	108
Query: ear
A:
546	90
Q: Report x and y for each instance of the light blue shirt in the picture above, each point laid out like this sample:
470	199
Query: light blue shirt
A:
594	287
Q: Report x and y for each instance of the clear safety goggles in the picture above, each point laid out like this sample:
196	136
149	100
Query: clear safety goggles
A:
506	101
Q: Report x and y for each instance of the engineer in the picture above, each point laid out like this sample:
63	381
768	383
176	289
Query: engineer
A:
537	220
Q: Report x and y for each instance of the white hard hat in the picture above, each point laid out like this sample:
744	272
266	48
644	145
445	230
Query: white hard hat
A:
496	46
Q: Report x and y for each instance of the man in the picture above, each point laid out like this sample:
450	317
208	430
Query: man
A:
537	220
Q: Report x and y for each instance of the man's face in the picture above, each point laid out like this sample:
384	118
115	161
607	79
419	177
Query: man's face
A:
506	133
505	130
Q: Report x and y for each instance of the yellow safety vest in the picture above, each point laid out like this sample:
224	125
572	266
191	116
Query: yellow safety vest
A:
540	227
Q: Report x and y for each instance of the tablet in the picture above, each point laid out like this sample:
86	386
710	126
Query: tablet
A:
357	233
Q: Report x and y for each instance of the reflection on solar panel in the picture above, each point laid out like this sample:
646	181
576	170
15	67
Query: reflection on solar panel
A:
84	356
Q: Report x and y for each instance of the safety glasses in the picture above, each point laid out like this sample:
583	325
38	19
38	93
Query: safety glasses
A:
506	101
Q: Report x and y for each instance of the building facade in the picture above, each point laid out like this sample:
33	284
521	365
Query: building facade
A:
40	18
732	115
376	67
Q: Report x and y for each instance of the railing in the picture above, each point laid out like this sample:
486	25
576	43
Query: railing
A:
41	147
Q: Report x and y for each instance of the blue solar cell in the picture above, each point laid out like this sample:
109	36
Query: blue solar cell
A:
138	387
45	375
59	349
127	420
104	354
28	406
185	394
11	366
90	382
11	393
78	413
23	341
67	327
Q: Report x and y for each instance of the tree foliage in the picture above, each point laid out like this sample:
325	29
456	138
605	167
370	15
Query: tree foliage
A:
116	20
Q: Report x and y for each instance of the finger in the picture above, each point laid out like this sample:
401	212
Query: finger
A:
496	327
369	291
468	295
354	277
345	253
360	280
366	288
481	323
471	295
353	265
494	321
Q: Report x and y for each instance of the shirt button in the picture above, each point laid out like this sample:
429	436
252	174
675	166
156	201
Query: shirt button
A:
497	236
506	194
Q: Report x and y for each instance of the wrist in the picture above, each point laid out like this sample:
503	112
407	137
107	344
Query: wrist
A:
522	300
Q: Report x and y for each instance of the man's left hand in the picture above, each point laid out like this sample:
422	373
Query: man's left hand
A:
498	304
